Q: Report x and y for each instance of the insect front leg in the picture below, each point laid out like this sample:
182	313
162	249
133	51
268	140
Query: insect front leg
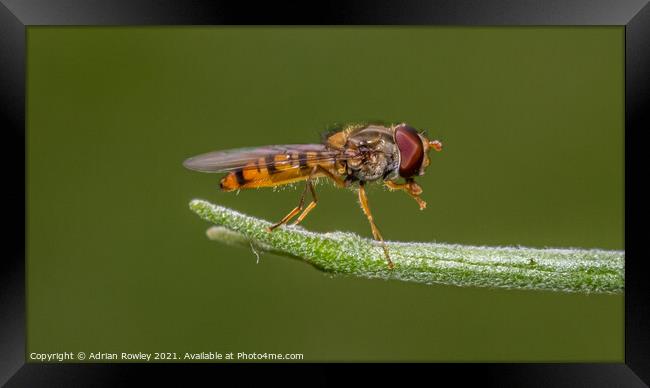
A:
411	188
363	200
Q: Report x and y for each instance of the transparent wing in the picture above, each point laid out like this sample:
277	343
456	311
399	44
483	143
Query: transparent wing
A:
295	156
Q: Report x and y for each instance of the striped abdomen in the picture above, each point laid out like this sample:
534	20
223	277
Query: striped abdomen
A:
277	169
265	166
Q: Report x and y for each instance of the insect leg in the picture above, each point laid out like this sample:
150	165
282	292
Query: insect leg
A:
298	208
337	180
291	214
363	199
340	182
411	188
311	205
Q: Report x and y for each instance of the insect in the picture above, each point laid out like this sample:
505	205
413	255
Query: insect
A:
352	155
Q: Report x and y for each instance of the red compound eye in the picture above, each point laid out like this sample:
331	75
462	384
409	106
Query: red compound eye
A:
411	150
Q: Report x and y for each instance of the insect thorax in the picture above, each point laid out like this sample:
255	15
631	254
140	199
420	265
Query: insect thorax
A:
374	154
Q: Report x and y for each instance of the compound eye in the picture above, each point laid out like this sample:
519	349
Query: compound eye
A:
411	150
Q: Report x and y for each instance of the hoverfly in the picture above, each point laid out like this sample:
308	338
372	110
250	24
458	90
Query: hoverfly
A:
354	154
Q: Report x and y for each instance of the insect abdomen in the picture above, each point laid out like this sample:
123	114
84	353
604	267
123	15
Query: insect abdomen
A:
276	170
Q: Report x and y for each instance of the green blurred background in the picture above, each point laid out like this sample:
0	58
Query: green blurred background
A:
533	127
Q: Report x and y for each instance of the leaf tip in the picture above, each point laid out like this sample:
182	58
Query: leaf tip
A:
197	205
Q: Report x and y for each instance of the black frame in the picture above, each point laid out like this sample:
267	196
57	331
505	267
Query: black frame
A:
16	15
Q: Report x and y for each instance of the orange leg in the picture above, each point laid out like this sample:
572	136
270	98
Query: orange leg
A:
299	208
305	211
337	180
289	216
363	199
311	205
340	182
411	188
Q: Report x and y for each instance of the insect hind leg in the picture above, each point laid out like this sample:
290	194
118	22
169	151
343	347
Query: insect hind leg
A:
337	181
299	208
286	218
311	205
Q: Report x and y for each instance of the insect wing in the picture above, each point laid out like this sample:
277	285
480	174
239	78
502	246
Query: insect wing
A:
267	157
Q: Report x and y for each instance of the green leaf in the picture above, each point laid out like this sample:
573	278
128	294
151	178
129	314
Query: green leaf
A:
565	270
